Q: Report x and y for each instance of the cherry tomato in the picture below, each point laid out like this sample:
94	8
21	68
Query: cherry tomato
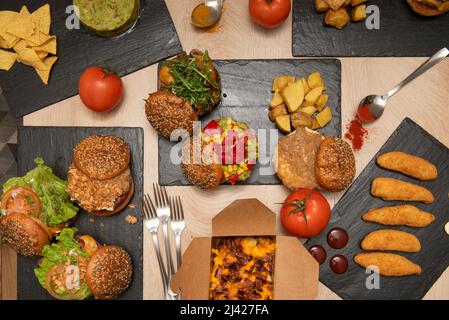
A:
21	200
305	213
269	13
100	89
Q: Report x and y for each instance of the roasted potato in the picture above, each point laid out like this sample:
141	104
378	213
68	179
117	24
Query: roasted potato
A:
321	101
276	100
306	104
314	80
314	94
359	13
315	125
280	110
321	5
301	119
281	82
347	2
357	2
283	124
309	110
337	19
324	117
293	95
305	85
335	4
165	75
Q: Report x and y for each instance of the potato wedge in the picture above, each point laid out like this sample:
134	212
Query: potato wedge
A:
293	96
321	5
281	82
335	4
305	85
301	119
309	110
314	80
320	103
314	94
315	125
280	110
357	2
324	117
359	13
306	104
337	19
276	100
283	124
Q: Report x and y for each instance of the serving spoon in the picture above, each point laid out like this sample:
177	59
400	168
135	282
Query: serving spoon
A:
372	107
215	10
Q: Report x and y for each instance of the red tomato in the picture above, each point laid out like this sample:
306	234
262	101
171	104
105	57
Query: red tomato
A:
269	13
305	213
21	200
100	89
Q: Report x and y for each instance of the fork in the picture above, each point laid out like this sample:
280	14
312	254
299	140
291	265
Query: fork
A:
177	225
163	213
152	224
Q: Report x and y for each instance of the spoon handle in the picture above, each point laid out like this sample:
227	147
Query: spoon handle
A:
435	59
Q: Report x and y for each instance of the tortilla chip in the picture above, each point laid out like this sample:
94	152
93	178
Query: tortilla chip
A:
25	12
30	58
45	74
7	59
42	18
41	54
7	45
37	39
20	45
21	25
49	46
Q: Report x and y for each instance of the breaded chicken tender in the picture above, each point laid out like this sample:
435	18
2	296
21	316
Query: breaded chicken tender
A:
403	215
409	165
395	189
389	264
391	240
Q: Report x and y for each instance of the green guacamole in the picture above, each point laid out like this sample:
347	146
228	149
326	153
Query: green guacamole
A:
108	17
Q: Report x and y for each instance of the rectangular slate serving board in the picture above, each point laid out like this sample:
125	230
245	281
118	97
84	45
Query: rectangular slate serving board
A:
246	93
55	145
402	33
434	254
153	39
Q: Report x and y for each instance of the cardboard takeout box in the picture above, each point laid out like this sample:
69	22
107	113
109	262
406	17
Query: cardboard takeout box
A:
295	270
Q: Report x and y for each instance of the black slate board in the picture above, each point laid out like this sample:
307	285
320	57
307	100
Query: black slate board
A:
434	255
402	33
153	39
246	93
54	145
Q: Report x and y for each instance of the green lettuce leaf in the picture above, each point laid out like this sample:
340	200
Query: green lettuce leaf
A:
57	207
57	253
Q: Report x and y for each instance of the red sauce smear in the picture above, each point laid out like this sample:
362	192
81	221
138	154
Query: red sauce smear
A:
356	133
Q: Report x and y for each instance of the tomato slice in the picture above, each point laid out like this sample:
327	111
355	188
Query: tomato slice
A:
21	200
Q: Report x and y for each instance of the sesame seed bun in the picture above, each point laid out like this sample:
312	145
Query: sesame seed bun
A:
102	157
429	8
109	272
25	234
167	112
335	164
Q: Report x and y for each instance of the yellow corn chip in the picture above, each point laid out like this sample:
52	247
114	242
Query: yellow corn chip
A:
7	45
7	59
42	17
25	12
5	18
21	25
45	74
41	54
30	58
37	39
49	46
20	45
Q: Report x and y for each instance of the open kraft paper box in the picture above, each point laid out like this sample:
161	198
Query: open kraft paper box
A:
295	270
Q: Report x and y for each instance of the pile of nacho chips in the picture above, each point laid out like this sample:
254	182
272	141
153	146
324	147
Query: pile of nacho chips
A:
27	36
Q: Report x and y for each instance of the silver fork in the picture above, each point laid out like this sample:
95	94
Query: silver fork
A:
152	224
163	213
177	225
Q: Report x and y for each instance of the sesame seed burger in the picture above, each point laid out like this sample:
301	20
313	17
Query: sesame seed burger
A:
100	179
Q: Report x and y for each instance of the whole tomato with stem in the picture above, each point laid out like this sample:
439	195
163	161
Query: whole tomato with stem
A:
100	89
305	213
269	13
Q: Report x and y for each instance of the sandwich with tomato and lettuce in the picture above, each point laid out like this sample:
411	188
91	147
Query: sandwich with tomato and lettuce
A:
78	267
33	209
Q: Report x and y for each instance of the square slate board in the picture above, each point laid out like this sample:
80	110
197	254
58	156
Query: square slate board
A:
246	93
55	145
153	39
434	254
402	33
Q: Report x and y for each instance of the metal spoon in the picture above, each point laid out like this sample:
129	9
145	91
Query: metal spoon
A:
214	13
372	107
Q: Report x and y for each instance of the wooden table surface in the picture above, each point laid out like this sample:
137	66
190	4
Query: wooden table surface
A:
425	101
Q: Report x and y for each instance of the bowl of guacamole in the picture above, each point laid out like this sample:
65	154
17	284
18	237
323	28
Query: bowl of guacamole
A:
108	18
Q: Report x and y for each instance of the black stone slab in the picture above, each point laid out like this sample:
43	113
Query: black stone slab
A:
402	33
55	145
246	93
347	213
153	39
